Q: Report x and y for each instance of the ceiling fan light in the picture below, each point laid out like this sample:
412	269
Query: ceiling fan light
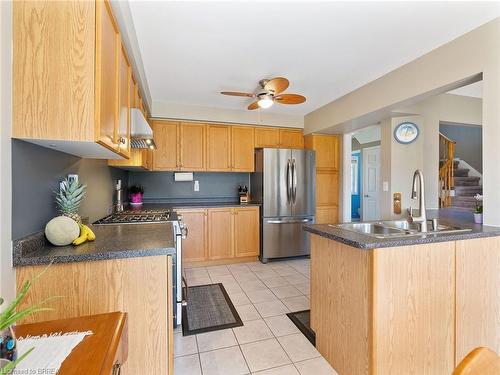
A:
265	101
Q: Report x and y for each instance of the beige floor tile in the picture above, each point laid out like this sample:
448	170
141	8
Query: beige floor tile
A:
285	291
216	340
250	286
266	274
316	366
298	347
296	303
232	288
244	277
218	270
296	279
184	345
247	312
271	308
304	288
281	325
253	330
275	281
282	370
223	279
187	365
288	271
228	361
239	298
195	281
262	295
263	355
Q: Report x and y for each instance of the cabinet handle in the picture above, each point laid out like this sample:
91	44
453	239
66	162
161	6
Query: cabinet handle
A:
117	369
122	140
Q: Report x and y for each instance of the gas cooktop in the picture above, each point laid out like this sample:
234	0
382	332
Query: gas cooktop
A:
136	216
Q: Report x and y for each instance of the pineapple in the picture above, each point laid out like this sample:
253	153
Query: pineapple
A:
69	198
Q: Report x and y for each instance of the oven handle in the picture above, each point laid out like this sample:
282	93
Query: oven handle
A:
289	221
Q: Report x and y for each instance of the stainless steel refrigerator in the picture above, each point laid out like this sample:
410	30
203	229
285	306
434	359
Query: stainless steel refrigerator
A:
284	183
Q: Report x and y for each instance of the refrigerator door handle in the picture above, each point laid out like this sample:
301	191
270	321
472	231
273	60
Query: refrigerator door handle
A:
289	177
293	221
294	181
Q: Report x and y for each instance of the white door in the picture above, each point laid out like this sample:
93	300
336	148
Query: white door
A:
371	184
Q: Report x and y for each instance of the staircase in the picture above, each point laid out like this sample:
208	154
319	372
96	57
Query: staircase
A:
466	188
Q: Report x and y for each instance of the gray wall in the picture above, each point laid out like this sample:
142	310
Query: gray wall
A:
215	187
469	146
36	173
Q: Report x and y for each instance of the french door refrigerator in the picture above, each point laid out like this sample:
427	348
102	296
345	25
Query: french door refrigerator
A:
284	183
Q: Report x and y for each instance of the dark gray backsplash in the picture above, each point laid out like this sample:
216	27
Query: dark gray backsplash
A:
215	187
36	173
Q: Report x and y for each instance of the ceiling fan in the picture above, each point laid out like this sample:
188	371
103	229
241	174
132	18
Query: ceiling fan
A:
271	93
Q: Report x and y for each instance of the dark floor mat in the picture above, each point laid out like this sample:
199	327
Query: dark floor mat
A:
302	319
208	308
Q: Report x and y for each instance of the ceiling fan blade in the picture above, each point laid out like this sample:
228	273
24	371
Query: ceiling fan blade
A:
277	85
233	93
254	105
290	99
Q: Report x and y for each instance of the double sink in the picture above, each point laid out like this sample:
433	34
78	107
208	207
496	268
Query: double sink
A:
396	229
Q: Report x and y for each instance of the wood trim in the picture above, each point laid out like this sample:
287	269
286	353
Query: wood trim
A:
218	262
170	318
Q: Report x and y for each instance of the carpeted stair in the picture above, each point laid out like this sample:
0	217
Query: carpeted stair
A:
466	188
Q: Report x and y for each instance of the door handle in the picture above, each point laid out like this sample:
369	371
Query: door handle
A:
289	221
294	181
366	196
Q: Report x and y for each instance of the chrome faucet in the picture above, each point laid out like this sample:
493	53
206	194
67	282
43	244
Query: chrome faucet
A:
422	219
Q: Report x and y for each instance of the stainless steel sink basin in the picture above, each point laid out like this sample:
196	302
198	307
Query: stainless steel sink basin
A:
395	229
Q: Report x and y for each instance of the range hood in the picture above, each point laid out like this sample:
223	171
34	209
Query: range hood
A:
141	134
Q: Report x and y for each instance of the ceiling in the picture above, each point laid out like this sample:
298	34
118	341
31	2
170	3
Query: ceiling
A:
474	90
367	135
193	50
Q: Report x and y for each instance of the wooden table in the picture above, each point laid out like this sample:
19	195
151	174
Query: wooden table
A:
101	353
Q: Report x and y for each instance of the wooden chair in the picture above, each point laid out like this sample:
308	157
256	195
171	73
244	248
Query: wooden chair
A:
480	361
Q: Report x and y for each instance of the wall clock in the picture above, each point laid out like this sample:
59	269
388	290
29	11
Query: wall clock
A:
406	132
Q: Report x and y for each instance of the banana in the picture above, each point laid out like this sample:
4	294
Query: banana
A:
85	234
90	233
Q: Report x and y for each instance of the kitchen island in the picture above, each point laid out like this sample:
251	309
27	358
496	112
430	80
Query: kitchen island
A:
414	305
127	268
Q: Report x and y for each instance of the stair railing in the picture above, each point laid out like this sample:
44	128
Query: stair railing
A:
447	148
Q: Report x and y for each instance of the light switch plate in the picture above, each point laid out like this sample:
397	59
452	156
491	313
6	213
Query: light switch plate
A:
196	185
385	186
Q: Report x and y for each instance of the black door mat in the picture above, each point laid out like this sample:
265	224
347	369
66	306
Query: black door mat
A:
208	308
302	319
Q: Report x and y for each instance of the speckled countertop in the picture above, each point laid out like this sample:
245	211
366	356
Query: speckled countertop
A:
112	242
367	242
192	204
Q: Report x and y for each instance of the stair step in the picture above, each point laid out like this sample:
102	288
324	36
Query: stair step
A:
461	172
455	163
461	191
464	202
466	181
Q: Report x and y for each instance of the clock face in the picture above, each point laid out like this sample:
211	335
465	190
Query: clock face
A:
406	132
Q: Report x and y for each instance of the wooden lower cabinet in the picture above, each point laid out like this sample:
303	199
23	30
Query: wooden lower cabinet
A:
246	232
141	287
327	188
327	215
220	233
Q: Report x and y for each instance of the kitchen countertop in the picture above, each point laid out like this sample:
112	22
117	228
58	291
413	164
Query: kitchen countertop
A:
112	242
185	205
361	241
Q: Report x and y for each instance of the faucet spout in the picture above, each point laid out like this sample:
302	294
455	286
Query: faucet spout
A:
418	185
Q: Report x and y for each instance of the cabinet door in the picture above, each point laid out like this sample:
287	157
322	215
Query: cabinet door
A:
327	189
124	81
267	137
194	247
192	144
220	233
327	149
246	232
218	148
291	138
327	215
166	139
242	148
108	47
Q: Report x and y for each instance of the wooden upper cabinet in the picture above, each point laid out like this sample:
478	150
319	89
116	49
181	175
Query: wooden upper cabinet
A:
267	137
327	151
246	232
124	118
166	135
108	57
53	70
291	138
242	148
194	247
218	148
220	229
192	146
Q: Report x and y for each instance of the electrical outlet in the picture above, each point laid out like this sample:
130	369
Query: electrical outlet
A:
196	185
73	177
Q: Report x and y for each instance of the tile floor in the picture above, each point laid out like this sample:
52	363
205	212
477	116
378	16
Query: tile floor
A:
268	343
